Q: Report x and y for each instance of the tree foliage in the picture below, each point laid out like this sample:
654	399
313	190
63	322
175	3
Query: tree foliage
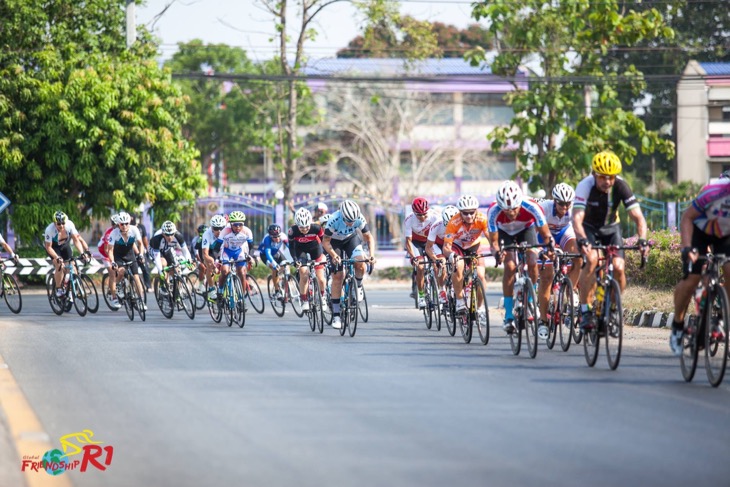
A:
86	125
564	45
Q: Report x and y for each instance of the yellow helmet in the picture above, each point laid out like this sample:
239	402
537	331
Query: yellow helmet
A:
606	162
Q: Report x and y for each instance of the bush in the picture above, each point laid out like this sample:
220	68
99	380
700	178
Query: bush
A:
663	269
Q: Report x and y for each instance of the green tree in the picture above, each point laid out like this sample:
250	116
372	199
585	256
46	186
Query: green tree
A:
563	45
86	125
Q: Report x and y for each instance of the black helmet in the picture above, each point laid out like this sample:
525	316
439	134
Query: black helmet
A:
201	229
274	230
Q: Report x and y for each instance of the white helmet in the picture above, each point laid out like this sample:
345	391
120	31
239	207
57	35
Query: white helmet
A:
218	221
448	213
323	219
124	217
563	192
303	217
509	195
169	228
350	211
467	202
115	219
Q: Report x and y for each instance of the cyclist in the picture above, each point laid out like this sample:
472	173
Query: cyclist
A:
145	252
196	244
165	243
595	219
103	248
319	212
512	220
417	226
305	238
436	242
125	245
237	241
465	235
58	236
559	221
273	250
341	241
211	251
705	223
13	256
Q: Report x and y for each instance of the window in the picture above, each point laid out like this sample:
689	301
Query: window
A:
726	113
442	109
486	109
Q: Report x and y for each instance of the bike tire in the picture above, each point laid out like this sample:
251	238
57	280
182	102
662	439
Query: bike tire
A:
227	304
464	320
449	309
566	314
427	314
193	281
239	301
483	328
553	315
530	310
215	311
295	297
92	297
716	335
515	338
79	296
362	306
591	342
164	302
56	304
11	293
276	304
253	294
106	293
352	308
312	311
690	344
128	297
613	314
318	306
186	296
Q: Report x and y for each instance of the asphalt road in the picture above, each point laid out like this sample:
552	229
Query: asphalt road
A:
192	403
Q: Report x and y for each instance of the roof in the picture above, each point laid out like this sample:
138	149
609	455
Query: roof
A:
716	69
384	66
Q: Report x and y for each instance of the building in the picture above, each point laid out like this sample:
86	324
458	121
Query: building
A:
703	121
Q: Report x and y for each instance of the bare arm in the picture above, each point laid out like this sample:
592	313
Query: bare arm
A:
638	217
578	216
686	225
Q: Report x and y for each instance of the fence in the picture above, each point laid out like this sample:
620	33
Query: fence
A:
659	215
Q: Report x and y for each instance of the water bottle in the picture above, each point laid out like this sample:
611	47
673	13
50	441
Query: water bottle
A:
700	297
599	300
66	278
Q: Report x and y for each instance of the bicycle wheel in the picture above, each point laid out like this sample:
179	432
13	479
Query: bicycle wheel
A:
566	314
128	298
79	296
137	301
530	311
414	288
449	309
362	306
163	298
239	302
106	293
591	340
215	311
464	320
690	343
427	314
312	311
199	297
716	335
57	303
277	304
352	308
478	292
185	297
11	293
294	296
515	338
613	314
253	294
92	297
316	306
228	296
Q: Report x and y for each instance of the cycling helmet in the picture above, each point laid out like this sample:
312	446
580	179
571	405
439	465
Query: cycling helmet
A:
350	211
509	195
115	219
303	217
563	192
236	217
467	202
124	217
448	213
60	217
419	205
201	229
322	207
607	163
323	219
217	221
168	228
274	230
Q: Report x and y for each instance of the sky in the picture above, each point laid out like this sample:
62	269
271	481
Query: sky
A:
243	23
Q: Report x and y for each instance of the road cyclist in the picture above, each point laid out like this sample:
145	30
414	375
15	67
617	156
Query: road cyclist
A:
237	240
210	249
417	227
434	246
305	244
274	252
125	246
58	237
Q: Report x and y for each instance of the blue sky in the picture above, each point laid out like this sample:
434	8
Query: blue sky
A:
244	24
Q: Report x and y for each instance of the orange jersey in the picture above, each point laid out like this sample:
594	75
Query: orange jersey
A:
458	233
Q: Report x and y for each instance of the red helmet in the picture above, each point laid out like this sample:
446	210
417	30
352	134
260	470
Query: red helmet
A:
420	205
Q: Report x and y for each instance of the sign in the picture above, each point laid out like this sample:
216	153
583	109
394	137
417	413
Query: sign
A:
4	202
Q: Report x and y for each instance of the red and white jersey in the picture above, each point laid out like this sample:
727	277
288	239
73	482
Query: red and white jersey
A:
101	247
530	214
554	222
437	233
418	230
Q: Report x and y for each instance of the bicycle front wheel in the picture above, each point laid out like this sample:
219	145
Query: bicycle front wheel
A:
277	304
317	306
352	305
11	293
79	296
464	320
294	297
362	306
591	340
239	301
128	299
92	297
566	314
199	297
716	335
530	311
449	309
106	293
614	318
690	344
163	296
56	302
312	316
185	297
254	295
482	318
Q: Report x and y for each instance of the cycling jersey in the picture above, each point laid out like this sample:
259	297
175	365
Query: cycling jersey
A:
268	248
339	230
211	242
101	246
561	228
530	214
602	208
235	246
713	204
466	237
417	229
306	243
168	248
123	246
437	233
59	239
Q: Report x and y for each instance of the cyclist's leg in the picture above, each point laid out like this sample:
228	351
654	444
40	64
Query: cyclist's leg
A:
457	276
587	282
508	277
611	235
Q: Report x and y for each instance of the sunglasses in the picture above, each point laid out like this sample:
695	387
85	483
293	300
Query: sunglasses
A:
236	224
564	204
468	213
217	229
421	215
124	224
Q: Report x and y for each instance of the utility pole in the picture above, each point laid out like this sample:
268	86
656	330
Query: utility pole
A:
131	24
